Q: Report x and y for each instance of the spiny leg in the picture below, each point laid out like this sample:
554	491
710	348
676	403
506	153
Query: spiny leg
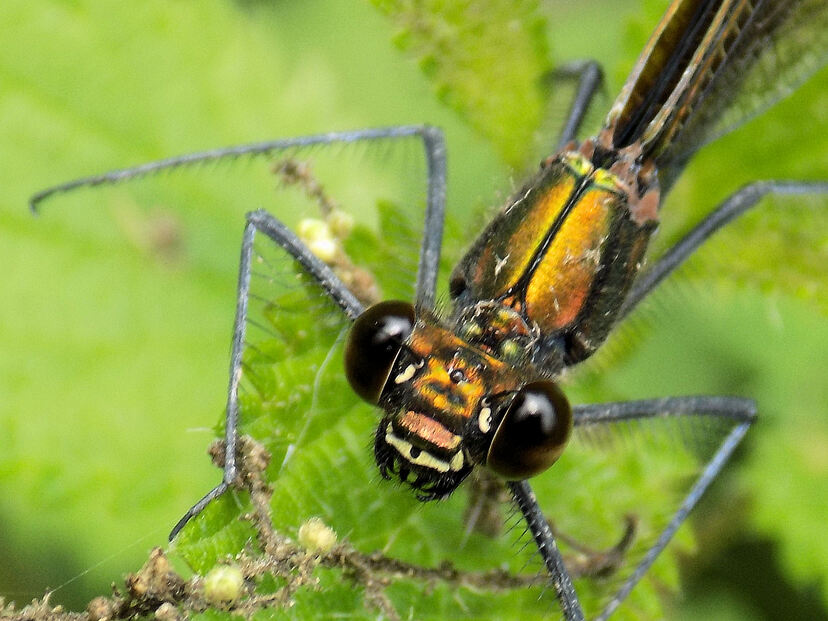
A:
261	221
487	493
429	264
590	78
435	152
728	210
738	413
548	548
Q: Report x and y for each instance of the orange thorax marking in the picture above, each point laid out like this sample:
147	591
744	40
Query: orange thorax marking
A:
526	221
545	252
561	281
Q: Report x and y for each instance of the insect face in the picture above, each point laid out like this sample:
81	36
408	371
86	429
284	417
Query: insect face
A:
449	403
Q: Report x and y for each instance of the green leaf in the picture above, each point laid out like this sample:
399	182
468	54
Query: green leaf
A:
485	58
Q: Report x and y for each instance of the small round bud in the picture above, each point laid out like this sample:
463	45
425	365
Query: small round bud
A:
341	223
167	612
325	249
310	229
100	609
316	536
319	239
223	584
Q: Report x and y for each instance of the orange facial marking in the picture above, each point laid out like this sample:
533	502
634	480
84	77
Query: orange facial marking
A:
561	283
454	399
429	430
456	376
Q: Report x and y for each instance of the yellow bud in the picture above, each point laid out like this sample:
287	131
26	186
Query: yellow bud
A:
341	223
310	229
325	249
316	536
223	584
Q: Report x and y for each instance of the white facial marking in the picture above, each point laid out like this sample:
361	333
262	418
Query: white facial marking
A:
406	375
423	459
484	421
457	461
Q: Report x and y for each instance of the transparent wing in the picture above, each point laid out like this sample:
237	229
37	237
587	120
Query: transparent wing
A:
337	191
575	98
290	383
634	464
779	48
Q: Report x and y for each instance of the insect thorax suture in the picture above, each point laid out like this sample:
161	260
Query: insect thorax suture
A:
566	248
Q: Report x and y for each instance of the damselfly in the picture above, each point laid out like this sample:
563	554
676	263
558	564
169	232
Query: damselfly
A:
537	292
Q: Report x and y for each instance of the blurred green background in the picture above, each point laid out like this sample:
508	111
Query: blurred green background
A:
113	362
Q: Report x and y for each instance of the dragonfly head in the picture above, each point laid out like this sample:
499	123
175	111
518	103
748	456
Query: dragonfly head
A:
448	404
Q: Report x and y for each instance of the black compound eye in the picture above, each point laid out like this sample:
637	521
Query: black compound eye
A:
373	344
533	433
